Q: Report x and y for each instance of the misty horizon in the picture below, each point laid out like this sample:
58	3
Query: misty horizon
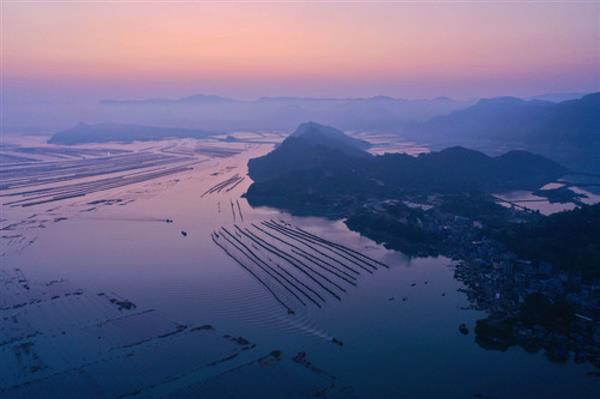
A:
298	199
23	97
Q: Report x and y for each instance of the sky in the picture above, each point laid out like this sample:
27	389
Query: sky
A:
133	49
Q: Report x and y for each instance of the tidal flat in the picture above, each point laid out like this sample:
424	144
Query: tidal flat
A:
104	296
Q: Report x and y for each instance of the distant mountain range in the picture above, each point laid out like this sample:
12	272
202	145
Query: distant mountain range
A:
558	97
105	132
279	113
195	99
567	131
316	162
214	99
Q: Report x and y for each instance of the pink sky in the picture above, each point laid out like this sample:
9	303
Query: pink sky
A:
402	49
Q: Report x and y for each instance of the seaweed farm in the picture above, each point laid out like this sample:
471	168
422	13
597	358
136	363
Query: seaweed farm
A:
121	337
124	338
140	271
299	199
26	186
79	178
315	269
226	185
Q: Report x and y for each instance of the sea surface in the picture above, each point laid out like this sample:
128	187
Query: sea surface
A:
398	325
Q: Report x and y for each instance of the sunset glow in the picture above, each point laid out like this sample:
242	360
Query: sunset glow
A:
269	199
402	49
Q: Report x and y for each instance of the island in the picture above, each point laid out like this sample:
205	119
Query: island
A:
536	276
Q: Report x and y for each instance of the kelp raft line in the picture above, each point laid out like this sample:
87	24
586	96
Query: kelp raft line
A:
348	251
298	268
232	211
239	210
226	185
289	310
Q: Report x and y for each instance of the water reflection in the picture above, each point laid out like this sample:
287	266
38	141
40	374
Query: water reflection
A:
399	326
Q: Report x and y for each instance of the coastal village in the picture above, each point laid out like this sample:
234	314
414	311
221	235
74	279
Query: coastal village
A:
563	306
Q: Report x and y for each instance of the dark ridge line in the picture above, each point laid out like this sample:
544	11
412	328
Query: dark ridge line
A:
303	242
309	257
292	260
328	247
343	247
270	268
289	310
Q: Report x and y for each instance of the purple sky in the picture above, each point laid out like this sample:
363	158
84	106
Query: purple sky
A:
59	50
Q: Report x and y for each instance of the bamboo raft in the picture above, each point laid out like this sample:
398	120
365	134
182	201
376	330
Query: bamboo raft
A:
226	185
296	267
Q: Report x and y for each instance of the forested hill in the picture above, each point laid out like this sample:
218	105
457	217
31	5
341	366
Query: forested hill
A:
568	131
568	239
303	165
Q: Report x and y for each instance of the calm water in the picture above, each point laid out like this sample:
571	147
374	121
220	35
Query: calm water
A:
526	199
392	348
